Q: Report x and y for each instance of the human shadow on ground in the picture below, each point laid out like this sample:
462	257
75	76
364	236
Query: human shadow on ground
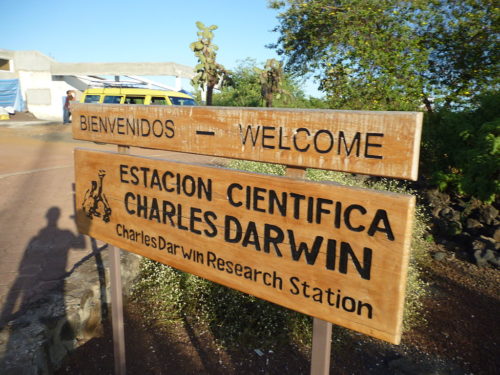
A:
43	266
36	299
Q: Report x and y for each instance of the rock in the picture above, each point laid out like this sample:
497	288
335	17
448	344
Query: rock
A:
439	256
472	224
486	250
450	214
452	228
130	264
484	242
487	214
496	234
55	324
484	257
446	228
437	198
464	240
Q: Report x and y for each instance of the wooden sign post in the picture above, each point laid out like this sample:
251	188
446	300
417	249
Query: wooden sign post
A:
339	254
329	251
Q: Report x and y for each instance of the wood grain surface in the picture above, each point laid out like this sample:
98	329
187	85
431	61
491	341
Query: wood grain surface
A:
374	143
333	252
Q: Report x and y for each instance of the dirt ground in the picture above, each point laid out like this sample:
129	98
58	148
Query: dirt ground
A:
460	335
22	116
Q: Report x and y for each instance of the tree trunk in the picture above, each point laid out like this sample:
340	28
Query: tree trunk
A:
428	104
210	90
268	100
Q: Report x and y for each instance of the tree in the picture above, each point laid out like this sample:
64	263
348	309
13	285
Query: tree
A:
461	149
389	54
462	38
245	90
209	73
271	81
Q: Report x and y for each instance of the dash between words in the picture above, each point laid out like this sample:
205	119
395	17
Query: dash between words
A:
301	139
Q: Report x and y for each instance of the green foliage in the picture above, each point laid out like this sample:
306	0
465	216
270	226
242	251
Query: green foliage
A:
251	166
271	81
461	151
236	318
208	72
462	40
392	55
245	90
163	288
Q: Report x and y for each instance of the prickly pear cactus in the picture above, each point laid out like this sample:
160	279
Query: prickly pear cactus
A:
271	79
208	72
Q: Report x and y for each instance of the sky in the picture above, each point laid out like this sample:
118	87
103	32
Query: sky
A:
140	31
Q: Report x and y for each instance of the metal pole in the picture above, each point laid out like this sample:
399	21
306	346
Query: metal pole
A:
117	302
322	331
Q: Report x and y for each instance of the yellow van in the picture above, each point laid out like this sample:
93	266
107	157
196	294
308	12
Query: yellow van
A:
128	95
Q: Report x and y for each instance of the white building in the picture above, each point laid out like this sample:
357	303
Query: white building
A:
43	82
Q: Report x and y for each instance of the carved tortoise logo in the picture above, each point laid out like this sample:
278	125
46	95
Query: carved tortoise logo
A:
95	203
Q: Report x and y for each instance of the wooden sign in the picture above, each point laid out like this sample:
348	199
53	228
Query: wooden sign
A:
337	253
375	143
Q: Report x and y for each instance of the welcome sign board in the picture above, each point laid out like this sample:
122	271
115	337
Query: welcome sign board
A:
376	143
336	253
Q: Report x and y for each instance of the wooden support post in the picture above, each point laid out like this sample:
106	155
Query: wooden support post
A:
322	331
117	302
117	310
321	347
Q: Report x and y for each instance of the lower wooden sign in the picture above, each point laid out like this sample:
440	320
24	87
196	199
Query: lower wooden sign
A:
333	252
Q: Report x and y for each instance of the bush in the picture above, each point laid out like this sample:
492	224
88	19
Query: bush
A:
237	318
461	151
234	318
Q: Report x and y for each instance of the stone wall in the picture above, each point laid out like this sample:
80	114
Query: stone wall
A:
37	341
469	228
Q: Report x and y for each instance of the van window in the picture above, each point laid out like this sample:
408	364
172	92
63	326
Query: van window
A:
112	99
158	100
176	100
134	99
92	98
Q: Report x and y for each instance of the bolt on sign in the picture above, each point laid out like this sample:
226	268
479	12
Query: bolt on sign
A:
333	252
376	143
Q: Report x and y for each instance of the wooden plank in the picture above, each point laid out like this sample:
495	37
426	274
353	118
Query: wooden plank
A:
333	252
376	143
